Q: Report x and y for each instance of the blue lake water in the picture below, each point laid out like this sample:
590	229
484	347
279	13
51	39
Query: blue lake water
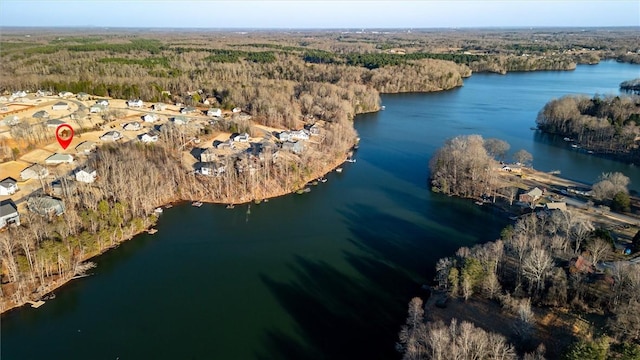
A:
324	275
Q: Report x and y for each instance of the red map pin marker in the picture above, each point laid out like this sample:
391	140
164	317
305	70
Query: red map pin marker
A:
64	135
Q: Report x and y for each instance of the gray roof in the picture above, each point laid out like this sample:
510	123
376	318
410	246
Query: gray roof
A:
61	103
55	122
40	114
86	145
8	181
7	207
45	204
59	157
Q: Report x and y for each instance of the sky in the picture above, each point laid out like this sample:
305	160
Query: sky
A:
319	14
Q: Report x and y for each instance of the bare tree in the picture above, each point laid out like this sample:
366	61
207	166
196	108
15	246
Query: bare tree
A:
598	249
536	266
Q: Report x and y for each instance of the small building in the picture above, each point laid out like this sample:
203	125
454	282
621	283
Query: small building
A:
111	136
149	137
180	120
188	110
86	175
10	120
236	110
150	118
294	147
531	196
40	115
54	123
102	102
9	213
59	159
159	107
8	186
65	94
82	96
560	205
132	126
61	105
86	147
45	205
241	138
208	155
35	171
137	103
97	108
214	112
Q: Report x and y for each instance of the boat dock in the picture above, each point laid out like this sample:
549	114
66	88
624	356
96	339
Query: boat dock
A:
152	231
36	304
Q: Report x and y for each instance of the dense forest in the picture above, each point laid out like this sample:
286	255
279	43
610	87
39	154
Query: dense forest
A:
602	124
548	261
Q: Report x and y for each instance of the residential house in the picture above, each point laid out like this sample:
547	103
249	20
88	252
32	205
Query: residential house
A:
180	120
41	93
241	138
214	112
58	189
560	205
19	94
225	145
159	107
61	105
9	213
531	196
294	147
59	159
188	110
40	115
212	169
236	110
10	120
82	96
86	147
150	118
208	155
132	126
3	99
86	175
149	137
111	136
137	103
34	172
65	94
293	135
97	108
314	129
54	123
102	102
45	205
8	186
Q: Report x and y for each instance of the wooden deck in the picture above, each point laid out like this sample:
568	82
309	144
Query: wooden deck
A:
36	304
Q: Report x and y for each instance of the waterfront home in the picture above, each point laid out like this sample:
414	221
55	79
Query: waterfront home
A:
34	171
86	175
137	103
149	137
111	136
8	186
102	102
40	115
59	159
65	94
293	135
45	205
208	155
86	147
531	196
10	120
97	108
159	107
212	169
241	138
294	147
188	110
9	213
180	120
214	112
150	118
132	126
61	105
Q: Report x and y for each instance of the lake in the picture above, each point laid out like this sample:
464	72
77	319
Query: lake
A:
323	275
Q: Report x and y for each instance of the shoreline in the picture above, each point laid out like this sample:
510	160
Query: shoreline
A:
59	283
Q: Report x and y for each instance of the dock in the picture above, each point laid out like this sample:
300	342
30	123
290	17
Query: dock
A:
152	231
36	304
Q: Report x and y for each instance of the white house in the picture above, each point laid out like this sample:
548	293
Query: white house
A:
8	186
159	107
19	94
236	110
132	126
188	110
8	213
299	135
135	103
10	120
82	96
61	105
148	138
241	138
212	169
102	102
3	99
150	118
214	112
34	172
180	120
65	94
111	136
86	175
86	147
97	108
59	159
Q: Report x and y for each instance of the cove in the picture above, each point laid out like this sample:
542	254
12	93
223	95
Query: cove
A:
326	274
